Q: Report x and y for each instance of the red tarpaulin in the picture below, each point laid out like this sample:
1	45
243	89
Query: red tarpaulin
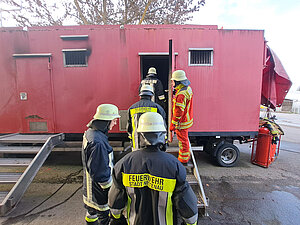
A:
275	82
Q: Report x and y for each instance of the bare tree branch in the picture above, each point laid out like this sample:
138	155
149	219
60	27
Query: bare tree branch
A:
146	8
45	13
80	13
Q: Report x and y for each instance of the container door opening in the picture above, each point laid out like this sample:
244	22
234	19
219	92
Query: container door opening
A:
161	64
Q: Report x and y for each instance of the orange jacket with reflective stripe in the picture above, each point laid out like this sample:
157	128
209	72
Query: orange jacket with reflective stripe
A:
182	114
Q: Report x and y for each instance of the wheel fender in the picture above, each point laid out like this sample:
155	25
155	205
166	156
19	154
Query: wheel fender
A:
220	143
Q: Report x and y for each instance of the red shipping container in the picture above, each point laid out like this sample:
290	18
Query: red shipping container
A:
53	78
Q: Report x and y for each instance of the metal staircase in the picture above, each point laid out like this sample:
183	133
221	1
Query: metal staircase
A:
193	176
22	155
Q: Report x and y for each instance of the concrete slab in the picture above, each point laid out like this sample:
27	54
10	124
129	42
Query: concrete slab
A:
64	207
249	194
245	194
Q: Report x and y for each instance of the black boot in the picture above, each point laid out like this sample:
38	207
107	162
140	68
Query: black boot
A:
103	217
92	220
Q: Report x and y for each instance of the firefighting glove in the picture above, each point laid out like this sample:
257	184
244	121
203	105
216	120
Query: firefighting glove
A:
120	221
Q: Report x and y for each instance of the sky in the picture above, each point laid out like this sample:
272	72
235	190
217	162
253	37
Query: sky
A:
279	19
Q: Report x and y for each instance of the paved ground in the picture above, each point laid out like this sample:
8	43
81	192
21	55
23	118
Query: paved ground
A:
245	194
249	194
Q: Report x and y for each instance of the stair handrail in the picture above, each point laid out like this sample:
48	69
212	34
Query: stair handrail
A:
16	193
197	175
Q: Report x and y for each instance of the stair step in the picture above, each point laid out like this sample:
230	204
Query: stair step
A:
172	149
15	162
191	179
9	178
19	149
3	194
189	168
176	149
19	138
197	148
21	180
67	149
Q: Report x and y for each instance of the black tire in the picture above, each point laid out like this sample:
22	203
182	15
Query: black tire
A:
227	155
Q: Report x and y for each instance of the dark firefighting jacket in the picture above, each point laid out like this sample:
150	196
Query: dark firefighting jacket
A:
159	95
182	113
97	159
134	113
151	186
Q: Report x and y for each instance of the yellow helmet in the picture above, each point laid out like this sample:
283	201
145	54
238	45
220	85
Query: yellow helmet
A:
151	122
152	70
146	89
178	75
107	112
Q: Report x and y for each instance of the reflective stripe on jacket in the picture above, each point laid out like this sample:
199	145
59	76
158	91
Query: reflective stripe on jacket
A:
97	160
134	113
182	114
152	186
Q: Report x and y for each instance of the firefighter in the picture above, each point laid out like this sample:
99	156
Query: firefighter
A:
151	79
137	109
182	113
97	160
151	183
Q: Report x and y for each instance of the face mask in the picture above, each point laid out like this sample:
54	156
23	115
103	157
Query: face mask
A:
102	125
176	83
152	138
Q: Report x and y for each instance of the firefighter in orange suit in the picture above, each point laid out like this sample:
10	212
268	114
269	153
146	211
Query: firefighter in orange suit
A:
182	113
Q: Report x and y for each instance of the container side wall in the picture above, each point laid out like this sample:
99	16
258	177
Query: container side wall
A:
11	41
226	95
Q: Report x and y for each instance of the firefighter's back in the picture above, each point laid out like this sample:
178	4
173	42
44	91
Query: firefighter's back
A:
150	177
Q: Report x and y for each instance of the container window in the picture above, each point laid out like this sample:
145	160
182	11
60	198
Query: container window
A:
200	57
75	58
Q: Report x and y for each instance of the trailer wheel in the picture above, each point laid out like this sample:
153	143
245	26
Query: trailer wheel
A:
227	155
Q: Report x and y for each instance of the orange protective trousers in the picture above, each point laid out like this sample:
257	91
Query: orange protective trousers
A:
184	145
